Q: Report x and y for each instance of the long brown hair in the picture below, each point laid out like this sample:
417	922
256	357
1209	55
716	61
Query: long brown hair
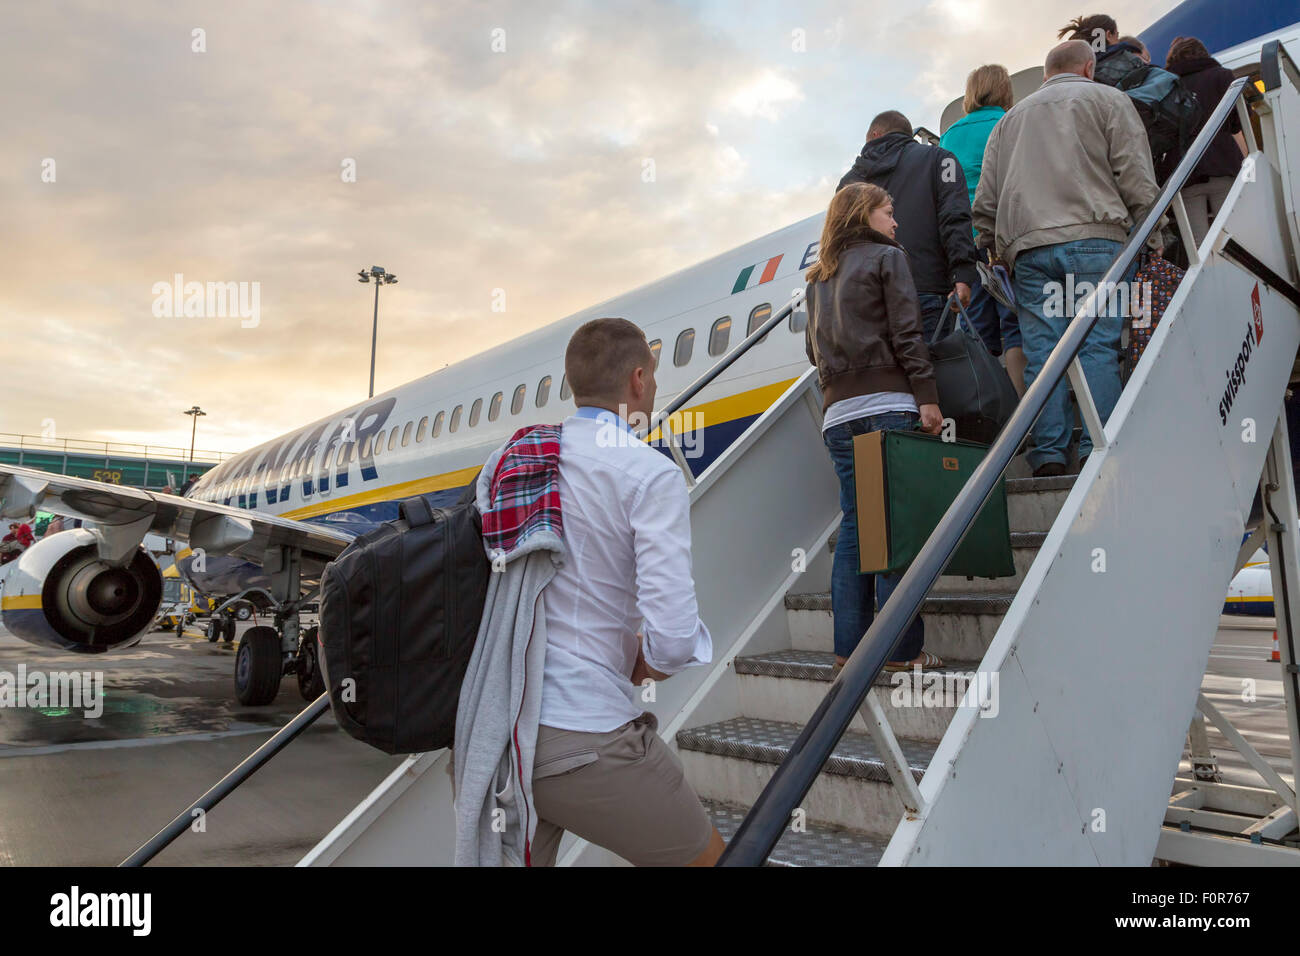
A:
846	222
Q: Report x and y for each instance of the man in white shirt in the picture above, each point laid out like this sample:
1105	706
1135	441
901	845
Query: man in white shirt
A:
601	770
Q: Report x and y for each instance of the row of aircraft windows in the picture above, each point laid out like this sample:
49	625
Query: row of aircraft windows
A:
390	439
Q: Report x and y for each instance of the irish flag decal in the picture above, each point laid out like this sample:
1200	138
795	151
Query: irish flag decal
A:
756	274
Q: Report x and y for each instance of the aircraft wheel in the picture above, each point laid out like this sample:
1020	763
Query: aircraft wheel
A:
311	682
258	666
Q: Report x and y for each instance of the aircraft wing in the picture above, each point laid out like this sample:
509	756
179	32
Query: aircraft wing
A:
122	516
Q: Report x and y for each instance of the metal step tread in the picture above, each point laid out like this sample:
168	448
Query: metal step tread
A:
1019	539
769	741
817	665
819	845
1025	486
935	604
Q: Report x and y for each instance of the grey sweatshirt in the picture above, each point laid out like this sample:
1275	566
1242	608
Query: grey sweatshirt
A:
500	704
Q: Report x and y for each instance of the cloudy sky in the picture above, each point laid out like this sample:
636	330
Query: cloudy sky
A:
466	146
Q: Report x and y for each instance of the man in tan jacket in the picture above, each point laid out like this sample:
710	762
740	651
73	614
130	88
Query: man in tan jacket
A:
1066	174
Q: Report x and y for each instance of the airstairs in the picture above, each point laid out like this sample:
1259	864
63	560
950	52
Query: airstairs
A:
1054	732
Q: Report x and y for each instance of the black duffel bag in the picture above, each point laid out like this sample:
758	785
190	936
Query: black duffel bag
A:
400	610
974	389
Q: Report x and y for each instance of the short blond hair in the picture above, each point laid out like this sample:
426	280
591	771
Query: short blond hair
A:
987	86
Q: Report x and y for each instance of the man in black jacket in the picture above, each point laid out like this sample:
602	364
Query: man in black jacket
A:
932	207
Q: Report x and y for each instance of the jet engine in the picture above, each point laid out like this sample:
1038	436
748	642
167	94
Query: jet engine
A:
60	593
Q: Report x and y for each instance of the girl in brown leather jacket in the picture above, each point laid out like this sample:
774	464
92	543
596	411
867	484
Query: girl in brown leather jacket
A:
864	335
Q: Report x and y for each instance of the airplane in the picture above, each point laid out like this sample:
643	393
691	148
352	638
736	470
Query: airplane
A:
262	525
1251	591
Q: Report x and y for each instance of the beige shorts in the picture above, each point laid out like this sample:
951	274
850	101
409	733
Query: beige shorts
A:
624	790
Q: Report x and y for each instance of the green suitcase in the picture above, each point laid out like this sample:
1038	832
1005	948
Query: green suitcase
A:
905	481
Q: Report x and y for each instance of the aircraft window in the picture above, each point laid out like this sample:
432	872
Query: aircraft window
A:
656	347
494	407
543	391
379	443
799	320
437	424
474	411
392	439
406	434
719	334
517	403
685	345
419	431
760	315
455	418
565	391
342	458
365	448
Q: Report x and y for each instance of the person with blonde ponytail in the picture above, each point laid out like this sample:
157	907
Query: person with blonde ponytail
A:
865	337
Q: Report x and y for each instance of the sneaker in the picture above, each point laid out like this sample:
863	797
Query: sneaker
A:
1052	469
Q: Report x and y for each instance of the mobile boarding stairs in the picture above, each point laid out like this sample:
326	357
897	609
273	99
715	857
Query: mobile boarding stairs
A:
1085	669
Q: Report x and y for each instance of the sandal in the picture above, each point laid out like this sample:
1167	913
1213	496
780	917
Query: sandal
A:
927	660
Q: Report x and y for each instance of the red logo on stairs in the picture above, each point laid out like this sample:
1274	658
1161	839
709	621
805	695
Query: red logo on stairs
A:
1259	313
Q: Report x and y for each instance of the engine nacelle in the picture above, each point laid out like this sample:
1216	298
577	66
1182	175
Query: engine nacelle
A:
59	593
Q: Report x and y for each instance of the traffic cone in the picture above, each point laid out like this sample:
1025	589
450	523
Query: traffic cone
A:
1277	655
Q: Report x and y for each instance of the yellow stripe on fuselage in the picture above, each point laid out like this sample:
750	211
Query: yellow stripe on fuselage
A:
22	602
403	489
723	410
718	412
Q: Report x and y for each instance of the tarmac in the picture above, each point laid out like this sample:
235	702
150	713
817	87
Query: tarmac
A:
88	791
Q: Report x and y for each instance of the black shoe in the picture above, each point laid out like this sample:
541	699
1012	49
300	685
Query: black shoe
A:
1083	461
1052	469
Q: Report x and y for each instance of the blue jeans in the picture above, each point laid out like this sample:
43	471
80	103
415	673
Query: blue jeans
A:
1042	281
852	602
932	304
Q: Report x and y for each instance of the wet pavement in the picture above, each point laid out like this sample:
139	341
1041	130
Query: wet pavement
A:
88	790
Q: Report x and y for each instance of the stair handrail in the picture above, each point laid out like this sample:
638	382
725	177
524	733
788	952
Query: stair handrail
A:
767	819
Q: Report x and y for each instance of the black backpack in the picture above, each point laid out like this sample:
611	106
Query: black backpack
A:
399	614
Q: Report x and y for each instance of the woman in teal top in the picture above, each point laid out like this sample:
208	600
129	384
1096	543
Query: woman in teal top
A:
988	97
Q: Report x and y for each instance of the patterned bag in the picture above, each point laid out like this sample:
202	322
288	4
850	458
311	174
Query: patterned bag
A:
1157	279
